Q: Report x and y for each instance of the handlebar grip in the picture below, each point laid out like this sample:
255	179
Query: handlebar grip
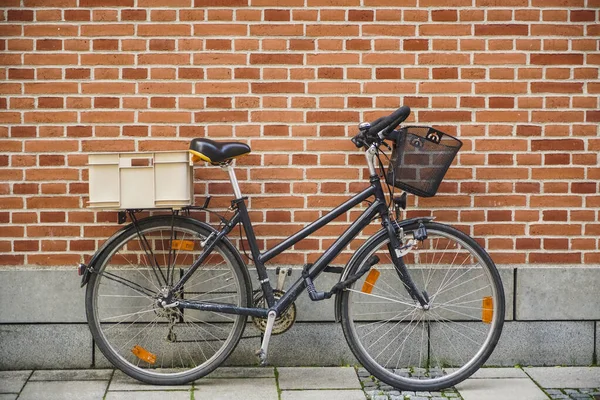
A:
390	122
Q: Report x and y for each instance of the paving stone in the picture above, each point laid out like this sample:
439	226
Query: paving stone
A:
242	372
60	390
495	373
156	395
495	389
363	373
323	394
318	378
565	377
227	389
122	382
72	375
13	381
553	391
8	396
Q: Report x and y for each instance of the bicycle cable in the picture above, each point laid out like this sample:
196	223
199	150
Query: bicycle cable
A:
242	244
381	168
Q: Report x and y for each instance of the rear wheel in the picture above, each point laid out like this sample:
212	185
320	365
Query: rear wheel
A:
412	347
128	319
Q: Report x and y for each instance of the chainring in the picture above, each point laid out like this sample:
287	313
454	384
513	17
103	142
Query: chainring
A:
282	322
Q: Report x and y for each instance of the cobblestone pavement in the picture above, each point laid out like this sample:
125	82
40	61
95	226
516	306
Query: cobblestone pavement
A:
376	390
574	394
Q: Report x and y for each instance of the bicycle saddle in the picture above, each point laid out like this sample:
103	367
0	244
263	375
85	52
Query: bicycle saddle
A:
216	152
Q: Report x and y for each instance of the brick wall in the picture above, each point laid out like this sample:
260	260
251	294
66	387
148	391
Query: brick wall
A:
516	80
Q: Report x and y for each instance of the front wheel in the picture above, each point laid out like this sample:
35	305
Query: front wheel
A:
424	348
127	294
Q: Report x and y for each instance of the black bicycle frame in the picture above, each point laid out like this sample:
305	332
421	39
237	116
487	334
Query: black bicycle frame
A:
378	206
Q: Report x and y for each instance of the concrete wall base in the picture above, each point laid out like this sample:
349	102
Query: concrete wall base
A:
553	318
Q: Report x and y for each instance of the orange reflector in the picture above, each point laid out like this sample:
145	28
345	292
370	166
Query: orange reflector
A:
487	309
182	245
370	281
143	354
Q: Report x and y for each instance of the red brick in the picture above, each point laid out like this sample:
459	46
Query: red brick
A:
501	30
278	87
556	59
221	3
583	15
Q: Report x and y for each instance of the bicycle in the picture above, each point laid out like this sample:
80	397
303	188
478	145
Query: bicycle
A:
421	303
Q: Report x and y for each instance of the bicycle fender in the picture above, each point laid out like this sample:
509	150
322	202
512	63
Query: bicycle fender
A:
359	253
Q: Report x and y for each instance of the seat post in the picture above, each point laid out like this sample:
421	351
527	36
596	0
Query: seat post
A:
233	179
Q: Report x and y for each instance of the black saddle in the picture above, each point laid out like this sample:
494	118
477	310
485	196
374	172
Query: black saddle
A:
216	152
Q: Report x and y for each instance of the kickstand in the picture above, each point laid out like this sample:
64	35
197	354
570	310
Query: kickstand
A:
262	352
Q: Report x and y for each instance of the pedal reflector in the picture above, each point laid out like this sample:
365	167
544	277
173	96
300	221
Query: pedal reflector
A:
370	281
187	245
487	309
143	354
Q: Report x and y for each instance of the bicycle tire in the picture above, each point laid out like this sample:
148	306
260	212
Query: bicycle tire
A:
430	349
156	345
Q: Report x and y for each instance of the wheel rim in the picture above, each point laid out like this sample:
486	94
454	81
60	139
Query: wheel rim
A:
428	347
152	340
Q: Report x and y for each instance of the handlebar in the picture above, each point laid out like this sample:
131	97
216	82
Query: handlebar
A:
381	128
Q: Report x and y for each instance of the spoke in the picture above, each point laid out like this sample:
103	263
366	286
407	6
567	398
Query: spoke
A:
226	296
470	293
197	330
207	323
119	323
453	347
400	295
381	297
450	322
128	315
459	313
398	335
211	291
478	300
385	322
459	284
209	279
136	269
127	283
153	322
443	285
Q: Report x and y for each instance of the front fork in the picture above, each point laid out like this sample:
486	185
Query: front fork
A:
395	249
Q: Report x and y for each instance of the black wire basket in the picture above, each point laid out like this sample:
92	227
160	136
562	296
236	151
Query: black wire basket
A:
420	159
